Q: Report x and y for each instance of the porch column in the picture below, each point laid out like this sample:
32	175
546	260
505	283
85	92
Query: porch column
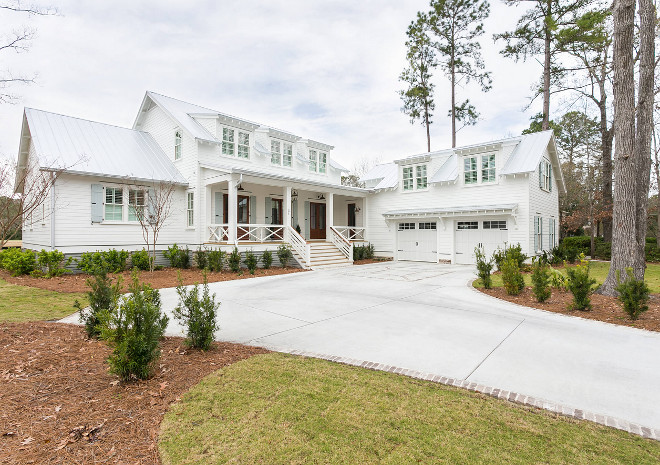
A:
287	207
232	207
208	213
329	213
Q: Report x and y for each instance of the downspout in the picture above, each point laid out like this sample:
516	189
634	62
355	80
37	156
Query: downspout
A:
52	215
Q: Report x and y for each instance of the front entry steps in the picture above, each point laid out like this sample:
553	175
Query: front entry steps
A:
325	255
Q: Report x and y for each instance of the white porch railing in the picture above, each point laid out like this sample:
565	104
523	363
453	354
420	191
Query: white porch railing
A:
218	233
343	244
259	232
351	233
301	247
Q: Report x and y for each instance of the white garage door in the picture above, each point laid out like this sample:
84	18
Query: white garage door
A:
489	234
417	241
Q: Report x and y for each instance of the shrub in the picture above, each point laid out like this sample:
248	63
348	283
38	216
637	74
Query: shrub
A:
197	314
133	328
556	256
178	258
216	259
513	252
234	260
571	254
484	267
513	279
557	279
369	252
52	263
652	253
102	296
579	283
141	260
358	252
603	250
111	261
251	261
633	294
201	259
266	259
284	254
363	252
581	243
541	281
18	262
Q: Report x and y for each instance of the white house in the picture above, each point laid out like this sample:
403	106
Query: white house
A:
239	183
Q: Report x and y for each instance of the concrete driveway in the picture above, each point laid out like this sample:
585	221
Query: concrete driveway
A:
425	317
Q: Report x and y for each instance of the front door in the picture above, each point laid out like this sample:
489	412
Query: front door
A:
317	220
242	215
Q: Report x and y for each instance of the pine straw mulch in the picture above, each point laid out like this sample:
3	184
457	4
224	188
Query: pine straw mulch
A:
159	279
59	404
604	308
367	261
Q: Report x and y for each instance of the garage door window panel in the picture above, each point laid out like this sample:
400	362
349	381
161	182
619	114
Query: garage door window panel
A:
406	226
495	224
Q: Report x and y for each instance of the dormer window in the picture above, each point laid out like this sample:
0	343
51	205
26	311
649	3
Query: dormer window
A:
470	174
323	161
177	145
488	168
243	145
421	177
228	142
408	178
275	152
287	154
487	173
313	160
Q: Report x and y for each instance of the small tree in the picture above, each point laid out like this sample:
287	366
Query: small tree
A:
197	314
484	267
251	261
234	260
541	281
284	254
513	279
152	207
267	259
102	297
580	284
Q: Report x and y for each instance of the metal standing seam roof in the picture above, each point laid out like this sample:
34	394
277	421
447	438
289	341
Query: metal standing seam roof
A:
527	154
86	147
386	173
447	211
448	171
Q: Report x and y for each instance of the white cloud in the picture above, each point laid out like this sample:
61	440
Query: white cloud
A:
323	70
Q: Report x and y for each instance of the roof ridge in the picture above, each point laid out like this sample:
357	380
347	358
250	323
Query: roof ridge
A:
84	119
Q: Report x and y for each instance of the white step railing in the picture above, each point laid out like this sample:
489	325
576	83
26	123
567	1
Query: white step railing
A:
351	233
298	244
343	244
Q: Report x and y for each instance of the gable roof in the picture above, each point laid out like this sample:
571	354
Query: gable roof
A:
386	174
527	154
448	171
80	146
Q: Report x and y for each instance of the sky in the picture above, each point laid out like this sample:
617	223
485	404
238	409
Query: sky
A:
323	70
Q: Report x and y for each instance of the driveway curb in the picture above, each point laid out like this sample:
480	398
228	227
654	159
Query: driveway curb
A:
529	401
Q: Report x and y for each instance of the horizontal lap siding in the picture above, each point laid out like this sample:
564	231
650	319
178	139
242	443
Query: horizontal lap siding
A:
36	230
544	204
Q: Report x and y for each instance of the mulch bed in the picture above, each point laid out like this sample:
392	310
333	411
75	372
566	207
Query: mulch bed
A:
58	404
367	261
159	279
605	308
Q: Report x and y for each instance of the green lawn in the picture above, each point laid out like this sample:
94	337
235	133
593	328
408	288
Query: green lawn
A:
22	303
281	409
599	272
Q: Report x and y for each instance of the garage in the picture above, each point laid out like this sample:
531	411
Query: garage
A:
417	241
469	234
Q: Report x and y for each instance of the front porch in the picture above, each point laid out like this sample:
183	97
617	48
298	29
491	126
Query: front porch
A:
252	212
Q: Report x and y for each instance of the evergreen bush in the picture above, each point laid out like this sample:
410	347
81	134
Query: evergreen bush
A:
197	314
266	259
251	261
111	261
18	262
633	294
133	328
216	260
102	297
513	252
234	260
580	284
541	281
178	258
484	267
284	254
141	260
512	278
52	263
201	259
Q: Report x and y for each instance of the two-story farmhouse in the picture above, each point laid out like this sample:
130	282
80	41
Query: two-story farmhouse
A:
239	183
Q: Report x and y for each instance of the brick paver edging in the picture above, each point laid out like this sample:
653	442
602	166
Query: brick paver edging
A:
515	397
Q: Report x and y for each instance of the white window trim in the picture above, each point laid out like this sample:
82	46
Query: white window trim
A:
411	179
479	163
234	142
128	204
414	178
545	172
189	210
178	144
238	144
315	160
324	163
124	206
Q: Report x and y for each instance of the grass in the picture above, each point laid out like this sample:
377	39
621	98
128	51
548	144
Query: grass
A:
598	270
22	303
281	409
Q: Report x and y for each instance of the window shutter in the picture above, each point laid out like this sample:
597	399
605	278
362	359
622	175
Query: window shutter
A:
294	213
253	209
97	203
541	174
550	176
541	233
219	207
306	230
269	211
536	233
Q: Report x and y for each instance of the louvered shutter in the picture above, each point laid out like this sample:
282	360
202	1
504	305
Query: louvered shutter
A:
307	215
97	203
253	209
536	233
550	176
541	174
219	208
269	211
294	213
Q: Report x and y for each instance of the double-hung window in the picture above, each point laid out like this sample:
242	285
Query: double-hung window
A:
243	145
177	145
228	141
421	177
538	233
545	175
488	168
551	233
470	174
287	154
114	204
408	178
136	203
323	162
190	208
313	160
275	152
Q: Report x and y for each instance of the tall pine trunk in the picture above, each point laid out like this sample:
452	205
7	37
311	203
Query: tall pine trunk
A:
545	125
428	129
453	104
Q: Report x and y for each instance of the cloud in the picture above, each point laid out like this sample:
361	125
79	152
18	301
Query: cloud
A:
327	71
